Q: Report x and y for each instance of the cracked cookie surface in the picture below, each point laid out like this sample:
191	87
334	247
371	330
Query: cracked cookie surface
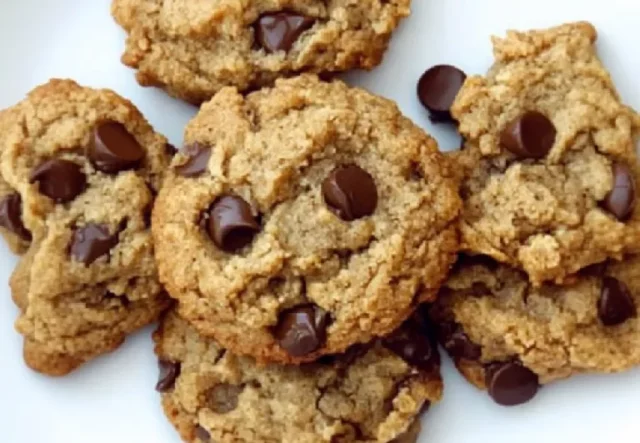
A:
303	219
84	166
366	395
195	48
548	206
489	316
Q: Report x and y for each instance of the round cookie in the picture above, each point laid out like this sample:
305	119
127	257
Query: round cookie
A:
303	219
550	161
85	167
371	394
193	48
511	337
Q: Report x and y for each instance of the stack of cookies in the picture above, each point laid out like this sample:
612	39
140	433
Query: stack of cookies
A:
549	281
309	245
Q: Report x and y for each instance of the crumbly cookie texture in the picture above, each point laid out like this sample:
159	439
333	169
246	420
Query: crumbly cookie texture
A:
84	166
552	214
303	219
195	48
370	394
489	316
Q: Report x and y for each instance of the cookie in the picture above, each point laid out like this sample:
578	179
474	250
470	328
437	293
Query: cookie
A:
303	219
549	158
510	337
80	170
194	49
371	394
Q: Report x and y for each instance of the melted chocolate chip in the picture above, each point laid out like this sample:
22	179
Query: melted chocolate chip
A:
170	149
231	224
169	372
223	398
531	135
278	31
621	201
437	90
510	383
92	242
202	434
60	180
415	347
350	192
114	149
11	216
616	305
595	270
302	330
457	342
198	160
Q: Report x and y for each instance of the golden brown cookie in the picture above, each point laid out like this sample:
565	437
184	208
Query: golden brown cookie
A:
83	166
511	337
371	394
303	219
550	159
195	48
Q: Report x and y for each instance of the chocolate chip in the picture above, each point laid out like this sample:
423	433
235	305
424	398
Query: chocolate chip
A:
92	242
202	434
114	149
413	346
11	216
223	398
616	305
437	90
510	383
595	270
231	224
170	149
621	201
278	31
169	372
60	180
199	155
350	192
457	342
531	135
302	330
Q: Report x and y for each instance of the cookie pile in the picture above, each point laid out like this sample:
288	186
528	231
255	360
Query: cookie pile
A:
308	246
548	283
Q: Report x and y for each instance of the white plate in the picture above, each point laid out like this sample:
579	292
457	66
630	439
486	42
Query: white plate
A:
112	399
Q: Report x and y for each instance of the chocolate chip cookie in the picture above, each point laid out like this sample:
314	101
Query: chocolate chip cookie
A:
303	219
80	170
194	49
373	393
550	160
510	337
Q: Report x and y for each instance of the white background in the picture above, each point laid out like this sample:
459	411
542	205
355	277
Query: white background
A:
112	399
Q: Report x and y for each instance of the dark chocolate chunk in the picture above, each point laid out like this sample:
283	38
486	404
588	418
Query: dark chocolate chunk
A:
350	192
114	149
11	216
531	135
60	180
198	160
621	200
302	330
278	31
437	90
510	383
169	372
616	305
91	242
231	224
